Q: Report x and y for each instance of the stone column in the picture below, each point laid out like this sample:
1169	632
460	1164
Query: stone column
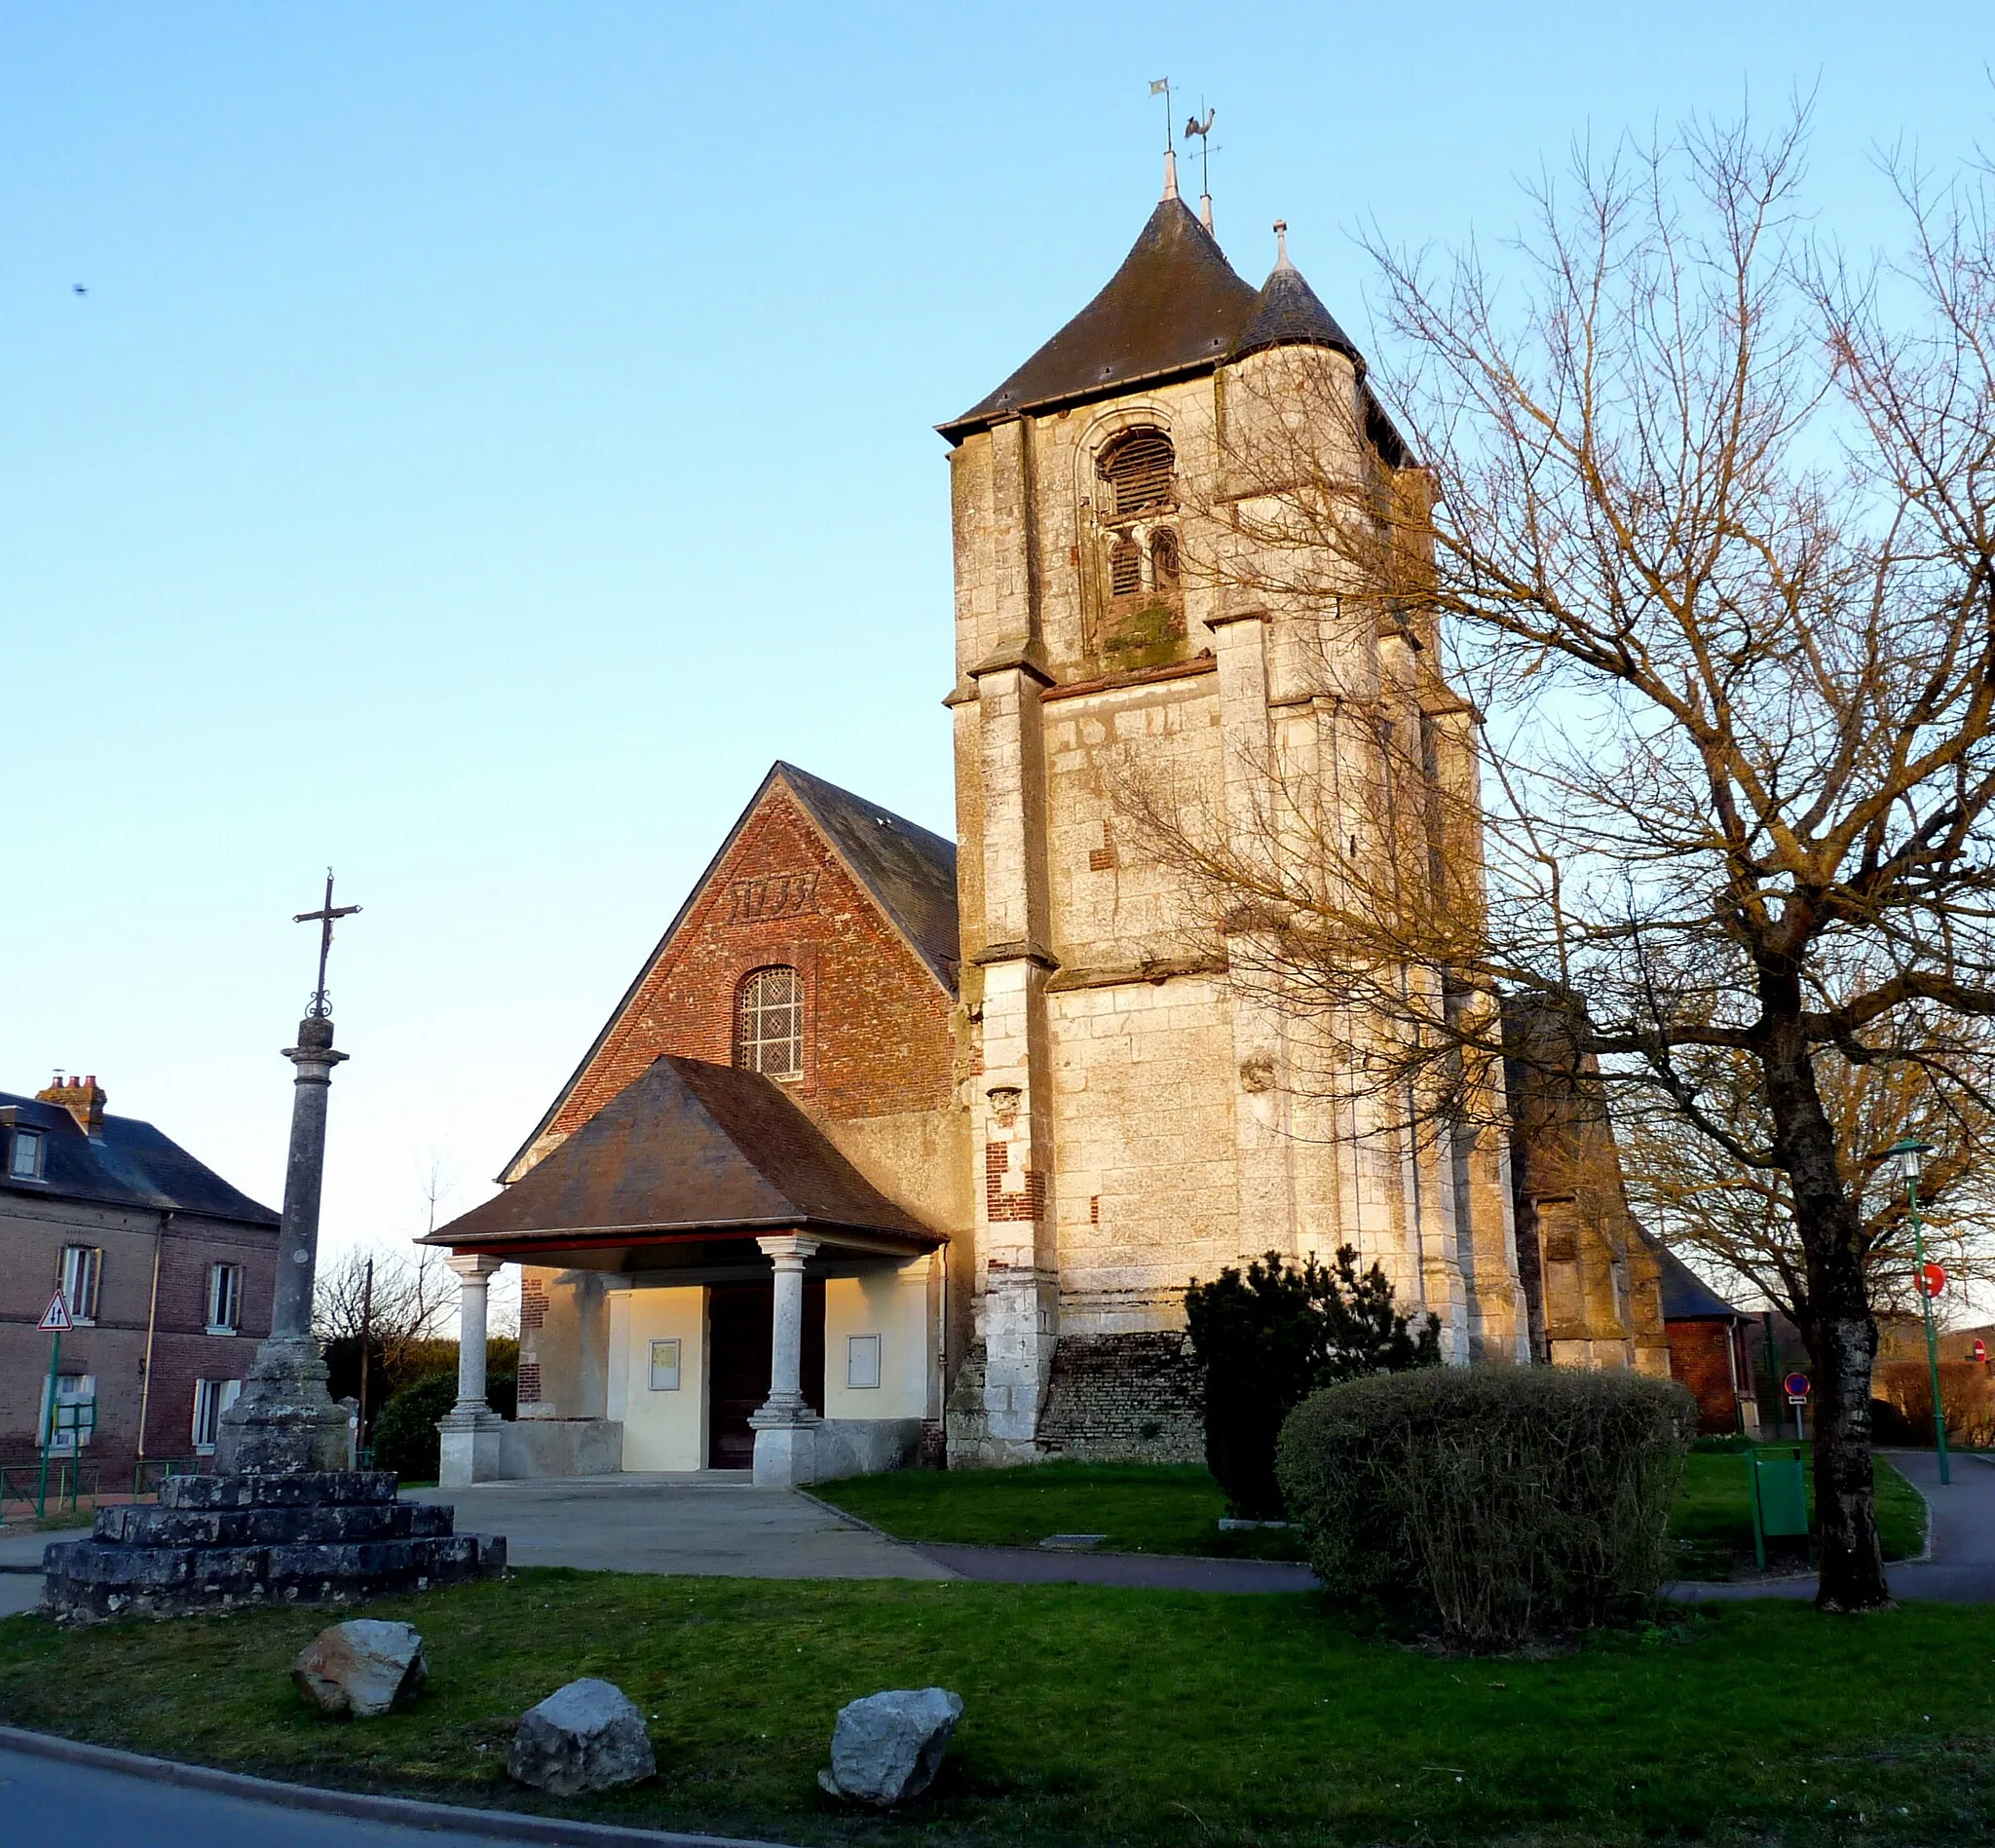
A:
786	1428
470	1432
286	1419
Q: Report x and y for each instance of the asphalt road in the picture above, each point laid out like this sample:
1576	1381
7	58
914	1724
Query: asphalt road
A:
49	1804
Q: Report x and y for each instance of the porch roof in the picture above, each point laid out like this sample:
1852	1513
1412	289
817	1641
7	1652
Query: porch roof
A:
689	1152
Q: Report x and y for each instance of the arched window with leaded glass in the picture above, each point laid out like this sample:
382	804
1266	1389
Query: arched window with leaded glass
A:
768	1022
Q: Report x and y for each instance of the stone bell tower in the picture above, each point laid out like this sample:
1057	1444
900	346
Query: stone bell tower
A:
1135	1118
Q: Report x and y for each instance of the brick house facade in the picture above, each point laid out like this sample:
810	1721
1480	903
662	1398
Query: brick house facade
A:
134	1230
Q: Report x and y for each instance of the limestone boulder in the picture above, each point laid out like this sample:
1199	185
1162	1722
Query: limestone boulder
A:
587	1736
888	1747
361	1667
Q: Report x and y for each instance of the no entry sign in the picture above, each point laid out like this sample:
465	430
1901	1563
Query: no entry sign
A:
1932	1280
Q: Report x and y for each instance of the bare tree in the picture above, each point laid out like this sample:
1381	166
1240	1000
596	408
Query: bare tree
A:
411	1300
1706	517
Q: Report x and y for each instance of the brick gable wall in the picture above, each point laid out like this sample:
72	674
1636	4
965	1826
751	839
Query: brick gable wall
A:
877	1025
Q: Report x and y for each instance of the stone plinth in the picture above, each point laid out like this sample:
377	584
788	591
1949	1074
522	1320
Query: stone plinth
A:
308	1537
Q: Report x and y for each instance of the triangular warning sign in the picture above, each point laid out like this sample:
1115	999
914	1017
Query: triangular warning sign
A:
56	1317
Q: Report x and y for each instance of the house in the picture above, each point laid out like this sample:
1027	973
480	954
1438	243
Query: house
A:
167	1272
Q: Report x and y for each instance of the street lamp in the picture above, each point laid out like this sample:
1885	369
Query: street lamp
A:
1909	1154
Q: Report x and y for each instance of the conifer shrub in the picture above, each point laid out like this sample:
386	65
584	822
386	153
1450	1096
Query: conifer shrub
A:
405	1436
1269	1338
1496	1502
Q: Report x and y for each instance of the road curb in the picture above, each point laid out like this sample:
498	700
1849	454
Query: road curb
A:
406	1812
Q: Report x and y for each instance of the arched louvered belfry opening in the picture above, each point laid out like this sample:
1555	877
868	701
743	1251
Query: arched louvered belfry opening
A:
1164	569
1136	467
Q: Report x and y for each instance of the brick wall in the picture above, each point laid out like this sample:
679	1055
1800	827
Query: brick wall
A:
1697	1358
877	1033
114	1348
1138	1398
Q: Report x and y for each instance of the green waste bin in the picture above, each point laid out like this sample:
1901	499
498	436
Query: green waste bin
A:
1778	1480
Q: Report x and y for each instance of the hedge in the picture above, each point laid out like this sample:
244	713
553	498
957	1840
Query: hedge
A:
1497	1502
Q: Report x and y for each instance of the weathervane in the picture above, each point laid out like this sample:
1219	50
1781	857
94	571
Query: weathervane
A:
320	1007
1163	87
1203	130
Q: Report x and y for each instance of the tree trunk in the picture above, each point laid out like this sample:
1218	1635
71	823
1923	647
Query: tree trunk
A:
1835	1321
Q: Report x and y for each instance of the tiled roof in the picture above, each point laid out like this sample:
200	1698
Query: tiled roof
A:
1688	1297
125	1163
688	1148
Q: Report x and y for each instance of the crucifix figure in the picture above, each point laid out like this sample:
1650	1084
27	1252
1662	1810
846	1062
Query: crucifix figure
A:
322	1003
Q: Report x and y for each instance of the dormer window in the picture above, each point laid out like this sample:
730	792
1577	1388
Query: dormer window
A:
1137	467
24	1156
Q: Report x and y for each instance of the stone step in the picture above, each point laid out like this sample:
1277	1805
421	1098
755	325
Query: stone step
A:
94	1579
139	1526
301	1489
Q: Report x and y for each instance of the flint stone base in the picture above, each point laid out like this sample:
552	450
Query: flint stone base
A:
361	1667
888	1747
585	1736
214	1542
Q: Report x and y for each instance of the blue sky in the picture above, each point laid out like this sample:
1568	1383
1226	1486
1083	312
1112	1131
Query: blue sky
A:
494	432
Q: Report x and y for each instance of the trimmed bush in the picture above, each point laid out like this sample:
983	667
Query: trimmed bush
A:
1499	1502
1270	1338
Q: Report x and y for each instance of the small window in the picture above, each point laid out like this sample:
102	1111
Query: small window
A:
1138	469
224	1299
24	1156
665	1366
1125	569
1163	561
82	1268
768	1022
70	1422
211	1398
862	1362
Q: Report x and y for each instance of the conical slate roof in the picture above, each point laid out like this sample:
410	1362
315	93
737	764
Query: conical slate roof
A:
1175	305
688	1148
1289	313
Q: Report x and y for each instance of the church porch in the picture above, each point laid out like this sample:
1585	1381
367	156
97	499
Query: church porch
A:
706	1284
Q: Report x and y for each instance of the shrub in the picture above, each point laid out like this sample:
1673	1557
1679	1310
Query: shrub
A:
405	1438
1273	1337
1501	1502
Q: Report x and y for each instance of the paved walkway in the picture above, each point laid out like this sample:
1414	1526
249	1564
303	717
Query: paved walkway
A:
20	1568
713	1523
1143	1571
1960	1567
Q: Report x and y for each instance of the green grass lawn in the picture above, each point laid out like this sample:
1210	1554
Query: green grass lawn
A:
1713	1520
1159	1508
1141	1507
1101	1716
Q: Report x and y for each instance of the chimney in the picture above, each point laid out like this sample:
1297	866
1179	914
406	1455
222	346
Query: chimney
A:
82	1098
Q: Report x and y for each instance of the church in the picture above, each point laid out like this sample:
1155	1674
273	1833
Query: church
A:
899	1150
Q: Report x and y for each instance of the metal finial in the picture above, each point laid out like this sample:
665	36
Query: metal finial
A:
1281	244
320	1004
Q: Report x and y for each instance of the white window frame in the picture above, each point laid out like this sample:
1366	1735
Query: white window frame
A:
81	1277
224	1307
211	1398
70	1390
30	1143
665	1367
863	1356
758	1048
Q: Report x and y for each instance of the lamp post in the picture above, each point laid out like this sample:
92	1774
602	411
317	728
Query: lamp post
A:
1909	1154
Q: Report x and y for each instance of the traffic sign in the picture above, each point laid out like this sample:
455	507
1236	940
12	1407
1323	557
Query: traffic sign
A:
1979	1351
56	1317
1932	1280
1795	1385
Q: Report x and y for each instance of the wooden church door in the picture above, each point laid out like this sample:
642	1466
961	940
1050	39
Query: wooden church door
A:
740	1326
